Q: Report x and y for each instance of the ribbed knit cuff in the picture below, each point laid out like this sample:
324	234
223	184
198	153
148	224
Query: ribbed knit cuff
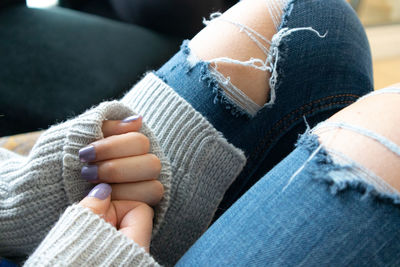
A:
203	164
86	129
6	154
82	131
82	238
35	190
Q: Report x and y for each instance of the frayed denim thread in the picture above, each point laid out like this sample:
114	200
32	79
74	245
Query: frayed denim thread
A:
287	11
322	165
212	83
273	54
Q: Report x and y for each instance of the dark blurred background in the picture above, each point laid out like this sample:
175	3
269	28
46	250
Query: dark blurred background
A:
57	62
181	18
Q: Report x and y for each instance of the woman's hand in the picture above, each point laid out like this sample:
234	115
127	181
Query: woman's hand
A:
134	219
122	159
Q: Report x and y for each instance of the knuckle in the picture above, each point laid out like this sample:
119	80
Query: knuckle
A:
158	190
155	163
93	207
141	140
103	145
96	210
107	143
145	143
111	169
148	210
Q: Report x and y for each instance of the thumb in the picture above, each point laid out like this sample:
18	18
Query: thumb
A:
98	199
137	224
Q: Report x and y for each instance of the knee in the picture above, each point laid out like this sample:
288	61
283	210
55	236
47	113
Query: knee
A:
346	38
366	133
339	61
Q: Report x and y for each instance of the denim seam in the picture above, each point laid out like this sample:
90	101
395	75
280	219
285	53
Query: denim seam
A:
299	117
287	118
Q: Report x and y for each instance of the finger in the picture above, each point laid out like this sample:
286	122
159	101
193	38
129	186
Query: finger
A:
116	127
149	192
122	207
98	200
137	225
116	146
124	170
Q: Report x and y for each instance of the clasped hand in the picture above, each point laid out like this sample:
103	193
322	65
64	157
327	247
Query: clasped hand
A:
126	177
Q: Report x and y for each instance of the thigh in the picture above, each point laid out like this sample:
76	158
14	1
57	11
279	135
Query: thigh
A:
56	63
312	78
300	214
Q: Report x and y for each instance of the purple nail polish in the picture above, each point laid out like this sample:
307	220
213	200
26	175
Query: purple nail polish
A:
131	118
100	191
89	172
87	154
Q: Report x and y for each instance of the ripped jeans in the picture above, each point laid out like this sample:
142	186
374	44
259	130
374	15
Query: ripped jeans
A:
312	208
320	62
315	208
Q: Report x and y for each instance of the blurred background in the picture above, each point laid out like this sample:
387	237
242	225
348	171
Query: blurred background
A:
380	17
63	56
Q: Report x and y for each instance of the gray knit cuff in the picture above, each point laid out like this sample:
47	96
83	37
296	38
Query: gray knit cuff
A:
82	238
86	129
203	164
35	190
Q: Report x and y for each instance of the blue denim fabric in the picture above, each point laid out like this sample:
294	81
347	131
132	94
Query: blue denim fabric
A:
316	78
6	263
309	221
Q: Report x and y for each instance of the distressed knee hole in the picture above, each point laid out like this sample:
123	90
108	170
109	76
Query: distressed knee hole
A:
340	172
359	137
242	53
363	150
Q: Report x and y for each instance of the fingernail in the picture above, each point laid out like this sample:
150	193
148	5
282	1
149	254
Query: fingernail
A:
100	191
89	172
131	118
87	154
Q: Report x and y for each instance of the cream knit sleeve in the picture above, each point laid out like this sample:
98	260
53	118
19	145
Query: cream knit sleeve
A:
82	238
203	165
198	166
35	190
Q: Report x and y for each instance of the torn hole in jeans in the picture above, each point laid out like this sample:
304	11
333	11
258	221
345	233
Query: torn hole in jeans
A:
341	172
225	91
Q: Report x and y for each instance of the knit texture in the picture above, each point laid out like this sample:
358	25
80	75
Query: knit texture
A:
198	165
35	190
82	238
203	165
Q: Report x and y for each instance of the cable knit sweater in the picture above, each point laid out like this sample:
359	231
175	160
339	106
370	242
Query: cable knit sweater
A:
198	165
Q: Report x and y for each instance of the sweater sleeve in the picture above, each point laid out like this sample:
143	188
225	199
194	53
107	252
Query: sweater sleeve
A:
82	238
198	165
36	189
203	165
